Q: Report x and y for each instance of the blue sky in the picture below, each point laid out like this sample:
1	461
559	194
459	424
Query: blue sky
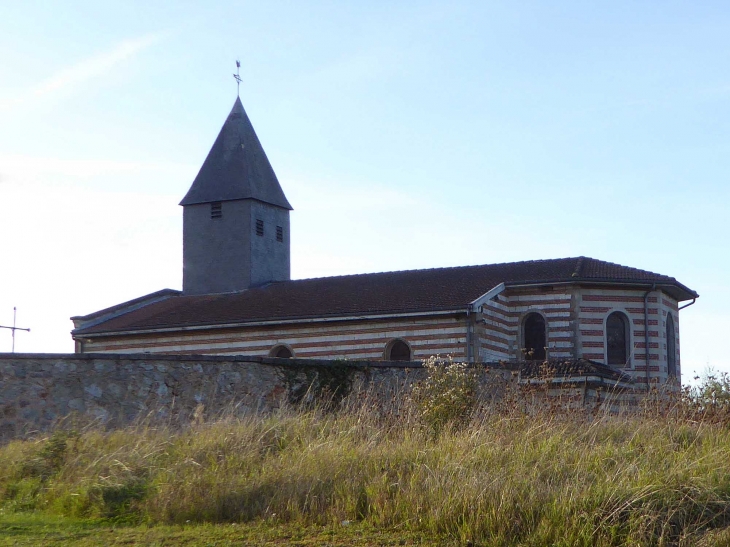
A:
406	135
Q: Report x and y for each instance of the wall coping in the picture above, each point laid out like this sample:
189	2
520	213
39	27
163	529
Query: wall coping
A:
200	358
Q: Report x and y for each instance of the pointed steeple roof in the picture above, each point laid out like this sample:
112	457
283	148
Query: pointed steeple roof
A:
236	167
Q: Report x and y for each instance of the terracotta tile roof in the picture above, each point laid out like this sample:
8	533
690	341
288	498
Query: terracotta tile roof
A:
567	368
438	289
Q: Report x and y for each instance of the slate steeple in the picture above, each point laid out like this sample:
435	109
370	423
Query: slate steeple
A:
235	215
236	167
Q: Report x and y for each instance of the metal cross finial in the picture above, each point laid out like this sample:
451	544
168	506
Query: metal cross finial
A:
237	77
14	328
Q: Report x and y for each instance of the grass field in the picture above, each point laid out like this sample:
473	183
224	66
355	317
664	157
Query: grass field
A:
34	529
361	477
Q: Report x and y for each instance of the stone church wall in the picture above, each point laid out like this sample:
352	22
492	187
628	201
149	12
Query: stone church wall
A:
353	339
595	305
576	326
500	332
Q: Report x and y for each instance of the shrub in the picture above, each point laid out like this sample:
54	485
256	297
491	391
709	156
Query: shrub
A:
447	397
50	458
714	391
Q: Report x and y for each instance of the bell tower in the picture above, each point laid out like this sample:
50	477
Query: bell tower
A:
235	216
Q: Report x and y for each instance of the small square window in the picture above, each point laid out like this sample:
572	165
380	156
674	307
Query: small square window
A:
259	227
216	210
279	234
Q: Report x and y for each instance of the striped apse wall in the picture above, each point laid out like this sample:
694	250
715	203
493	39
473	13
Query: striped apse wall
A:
576	326
500	336
596	305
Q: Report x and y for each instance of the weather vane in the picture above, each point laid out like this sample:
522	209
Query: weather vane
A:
14	328
237	77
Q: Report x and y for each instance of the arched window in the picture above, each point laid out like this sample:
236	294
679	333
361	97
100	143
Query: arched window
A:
617	339
282	352
398	350
534	336
671	348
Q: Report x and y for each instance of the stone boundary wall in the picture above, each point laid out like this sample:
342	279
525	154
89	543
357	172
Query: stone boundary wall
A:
38	390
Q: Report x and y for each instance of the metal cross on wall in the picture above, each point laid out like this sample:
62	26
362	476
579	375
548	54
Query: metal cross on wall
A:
14	328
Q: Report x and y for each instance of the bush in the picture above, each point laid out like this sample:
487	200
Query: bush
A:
710	400
50	458
447	397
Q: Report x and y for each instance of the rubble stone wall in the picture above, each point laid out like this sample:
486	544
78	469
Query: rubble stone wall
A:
38	390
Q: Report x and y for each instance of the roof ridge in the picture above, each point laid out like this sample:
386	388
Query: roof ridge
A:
437	268
369	274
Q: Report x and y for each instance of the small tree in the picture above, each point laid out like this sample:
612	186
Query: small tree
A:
447	396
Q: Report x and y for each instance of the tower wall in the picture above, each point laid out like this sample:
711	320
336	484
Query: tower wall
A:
225	254
216	255
269	257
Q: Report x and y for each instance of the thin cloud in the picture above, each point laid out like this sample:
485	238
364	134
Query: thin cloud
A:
91	68
95	66
43	169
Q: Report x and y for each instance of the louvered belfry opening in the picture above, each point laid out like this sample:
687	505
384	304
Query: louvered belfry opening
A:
259	227
279	234
216	210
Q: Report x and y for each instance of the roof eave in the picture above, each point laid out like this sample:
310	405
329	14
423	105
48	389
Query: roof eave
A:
124	305
682	292
192	201
267	322
102	316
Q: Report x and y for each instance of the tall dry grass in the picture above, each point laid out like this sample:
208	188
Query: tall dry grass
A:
506	477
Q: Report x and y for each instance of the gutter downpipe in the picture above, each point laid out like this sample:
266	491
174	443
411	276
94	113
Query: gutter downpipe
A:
687	305
469	335
646	332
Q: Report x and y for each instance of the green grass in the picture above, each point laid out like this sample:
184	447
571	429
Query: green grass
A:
506	478
34	529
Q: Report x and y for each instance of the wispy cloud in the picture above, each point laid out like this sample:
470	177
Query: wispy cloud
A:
41	168
87	69
95	66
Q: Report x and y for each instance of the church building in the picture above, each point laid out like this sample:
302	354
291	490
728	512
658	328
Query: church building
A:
238	298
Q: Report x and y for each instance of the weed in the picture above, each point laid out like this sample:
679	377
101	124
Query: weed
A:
50	458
